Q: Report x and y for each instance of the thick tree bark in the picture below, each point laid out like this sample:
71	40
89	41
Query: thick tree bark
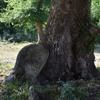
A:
69	42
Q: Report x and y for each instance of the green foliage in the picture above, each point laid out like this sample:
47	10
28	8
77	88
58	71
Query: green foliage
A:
20	16
2	5
97	39
98	96
26	11
16	91
20	37
96	16
70	91
40	10
19	91
98	69
50	92
96	12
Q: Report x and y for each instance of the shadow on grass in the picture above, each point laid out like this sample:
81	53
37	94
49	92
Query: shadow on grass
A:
97	48
98	69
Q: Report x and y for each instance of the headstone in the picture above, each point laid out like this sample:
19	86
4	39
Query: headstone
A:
29	63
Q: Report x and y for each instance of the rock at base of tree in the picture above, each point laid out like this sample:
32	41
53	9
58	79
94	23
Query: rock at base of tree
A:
29	63
33	94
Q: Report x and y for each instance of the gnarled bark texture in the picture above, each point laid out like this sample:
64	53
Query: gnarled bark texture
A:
69	42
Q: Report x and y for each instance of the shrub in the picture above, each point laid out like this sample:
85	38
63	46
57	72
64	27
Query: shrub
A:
70	91
15	91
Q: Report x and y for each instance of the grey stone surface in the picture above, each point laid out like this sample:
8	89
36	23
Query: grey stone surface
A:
33	94
29	62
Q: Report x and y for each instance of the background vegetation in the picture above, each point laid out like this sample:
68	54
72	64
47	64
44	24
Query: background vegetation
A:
18	18
95	8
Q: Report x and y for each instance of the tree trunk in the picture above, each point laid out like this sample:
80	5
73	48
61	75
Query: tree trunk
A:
39	29
70	44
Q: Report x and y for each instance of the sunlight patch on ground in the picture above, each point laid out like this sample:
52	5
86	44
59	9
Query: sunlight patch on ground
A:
97	55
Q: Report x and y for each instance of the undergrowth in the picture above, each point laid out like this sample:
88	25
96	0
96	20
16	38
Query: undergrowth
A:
71	90
15	91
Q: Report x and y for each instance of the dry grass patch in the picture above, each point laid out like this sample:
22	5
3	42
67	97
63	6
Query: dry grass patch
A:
8	54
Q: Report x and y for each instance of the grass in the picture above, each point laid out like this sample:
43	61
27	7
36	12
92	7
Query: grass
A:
81	90
15	91
20	91
70	90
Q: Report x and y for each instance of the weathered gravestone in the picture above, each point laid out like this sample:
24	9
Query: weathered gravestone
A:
29	63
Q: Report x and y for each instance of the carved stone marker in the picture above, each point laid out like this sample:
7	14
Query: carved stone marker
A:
29	63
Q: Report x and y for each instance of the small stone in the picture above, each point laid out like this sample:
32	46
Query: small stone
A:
33	94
